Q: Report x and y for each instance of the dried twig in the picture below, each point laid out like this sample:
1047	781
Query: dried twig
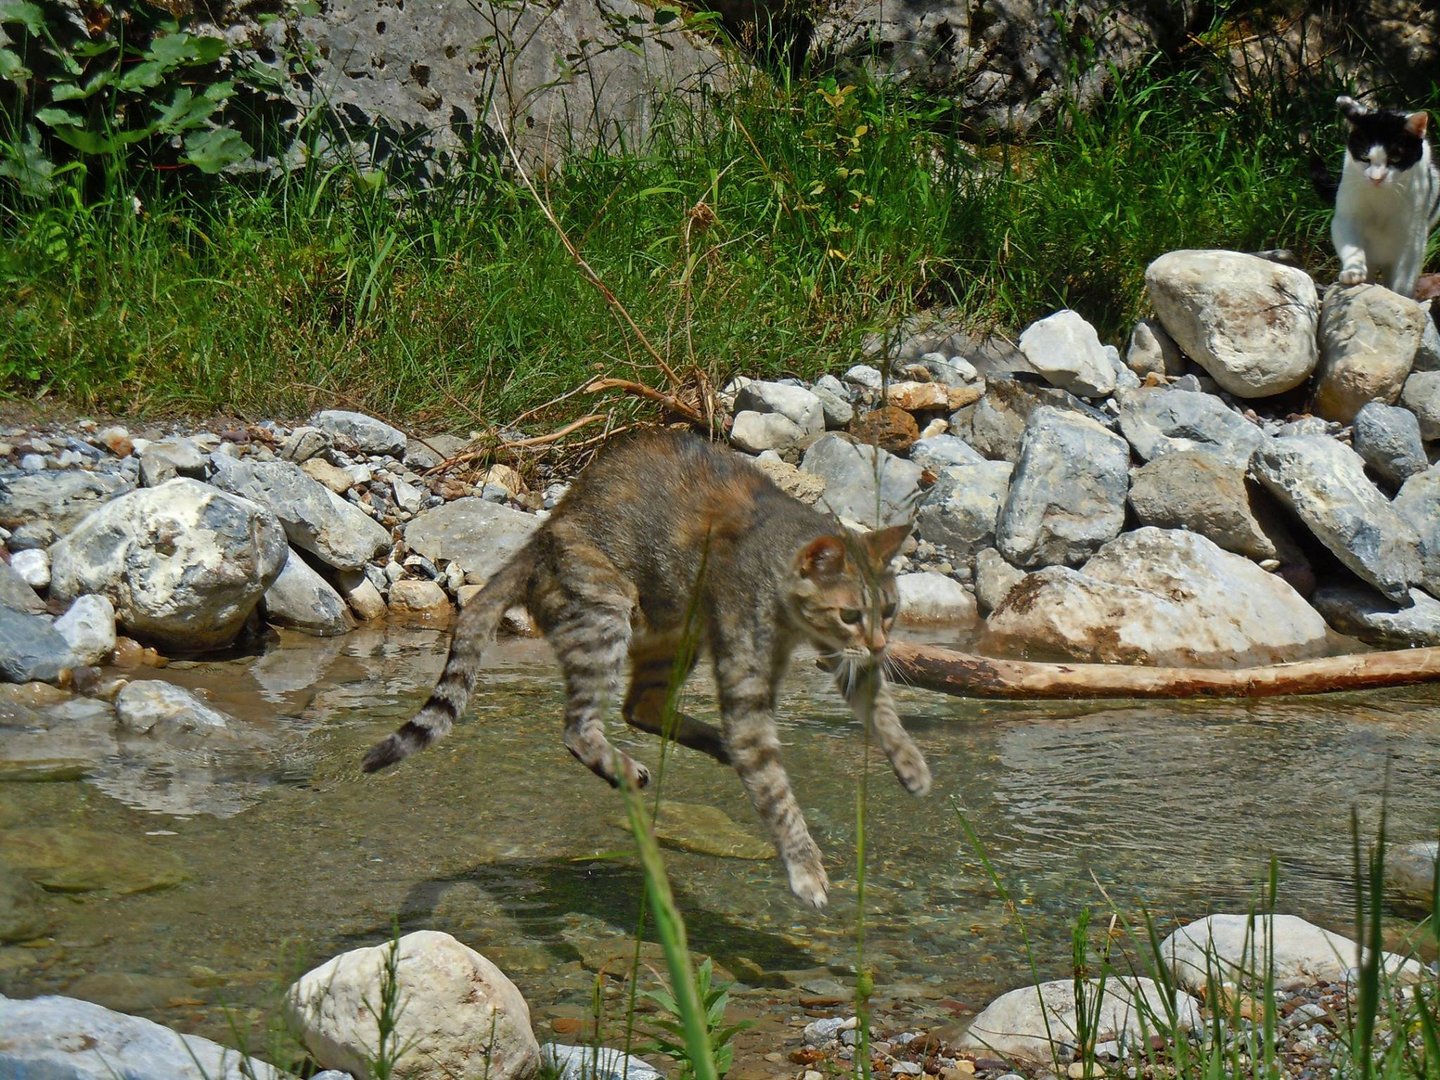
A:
669	401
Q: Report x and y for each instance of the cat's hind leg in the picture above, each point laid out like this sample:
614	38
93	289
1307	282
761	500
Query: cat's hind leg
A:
654	671
586	617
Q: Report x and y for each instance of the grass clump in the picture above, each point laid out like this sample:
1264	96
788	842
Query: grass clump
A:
762	231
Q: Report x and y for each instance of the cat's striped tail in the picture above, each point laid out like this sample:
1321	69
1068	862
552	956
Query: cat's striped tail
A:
478	621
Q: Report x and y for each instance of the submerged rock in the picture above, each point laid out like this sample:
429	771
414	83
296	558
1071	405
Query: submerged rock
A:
706	830
79	860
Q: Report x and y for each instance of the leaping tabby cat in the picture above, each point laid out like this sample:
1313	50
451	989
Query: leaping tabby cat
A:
659	529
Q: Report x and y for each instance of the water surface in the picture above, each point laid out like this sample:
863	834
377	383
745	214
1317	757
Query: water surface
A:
497	836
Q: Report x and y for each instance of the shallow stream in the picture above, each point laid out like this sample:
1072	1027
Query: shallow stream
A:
497	836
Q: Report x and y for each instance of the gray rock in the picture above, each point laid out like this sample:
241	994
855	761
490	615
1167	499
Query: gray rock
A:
478	535
16	594
594	1063
1410	876
941	451
1250	323
184	563
1158	597
32	535
1161	420
994	578
304	443
1368	339
1361	612
57	1038
995	424
1067	495
59	498
1388	439
1421	395
755	432
1067	351
1427	356
960	512
928	598
169	458
88	628
834	402
865	376
1200	491
372	436
33	566
798	405
315	519
302	599
863	483
1323	483
1418	502
31	649
1153	351
162	710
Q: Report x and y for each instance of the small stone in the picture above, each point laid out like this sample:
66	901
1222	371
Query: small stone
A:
33	567
419	599
889	428
864	375
89	629
361	594
116	440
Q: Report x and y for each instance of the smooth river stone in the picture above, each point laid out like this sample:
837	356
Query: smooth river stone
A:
77	860
705	830
22	912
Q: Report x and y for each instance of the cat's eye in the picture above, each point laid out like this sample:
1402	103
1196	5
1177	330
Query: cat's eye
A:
888	611
850	616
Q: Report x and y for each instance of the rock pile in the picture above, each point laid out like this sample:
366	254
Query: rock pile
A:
1251	476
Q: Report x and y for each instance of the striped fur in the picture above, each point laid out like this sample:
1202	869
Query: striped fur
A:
1388	201
664	545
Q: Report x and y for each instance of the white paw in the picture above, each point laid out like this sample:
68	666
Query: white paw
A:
1352	276
809	883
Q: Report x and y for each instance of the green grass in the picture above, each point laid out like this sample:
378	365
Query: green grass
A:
765	232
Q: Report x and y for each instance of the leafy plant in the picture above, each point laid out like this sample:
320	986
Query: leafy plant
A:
110	83
669	1033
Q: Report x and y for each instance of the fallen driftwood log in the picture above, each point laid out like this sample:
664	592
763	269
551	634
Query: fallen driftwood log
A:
950	671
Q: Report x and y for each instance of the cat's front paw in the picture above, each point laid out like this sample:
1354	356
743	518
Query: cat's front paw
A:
809	882
1352	275
911	770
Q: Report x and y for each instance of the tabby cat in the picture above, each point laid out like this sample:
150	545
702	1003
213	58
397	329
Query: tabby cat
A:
664	531
1388	200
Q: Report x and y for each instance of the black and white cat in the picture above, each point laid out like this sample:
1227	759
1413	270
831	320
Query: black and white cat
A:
1389	197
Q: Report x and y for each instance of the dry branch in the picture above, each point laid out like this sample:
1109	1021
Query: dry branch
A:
950	671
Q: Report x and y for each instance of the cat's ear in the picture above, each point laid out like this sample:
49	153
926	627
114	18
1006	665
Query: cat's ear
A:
883	544
1416	123
1351	109
823	557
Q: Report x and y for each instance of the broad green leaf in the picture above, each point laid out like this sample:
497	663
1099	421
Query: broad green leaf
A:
172	50
12	67
210	151
24	12
142	76
87	142
58	118
23	162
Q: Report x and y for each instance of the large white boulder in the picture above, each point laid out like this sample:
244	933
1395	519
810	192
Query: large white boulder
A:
1158	596
1237	949
459	1017
1041	1024
1249	322
183	563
